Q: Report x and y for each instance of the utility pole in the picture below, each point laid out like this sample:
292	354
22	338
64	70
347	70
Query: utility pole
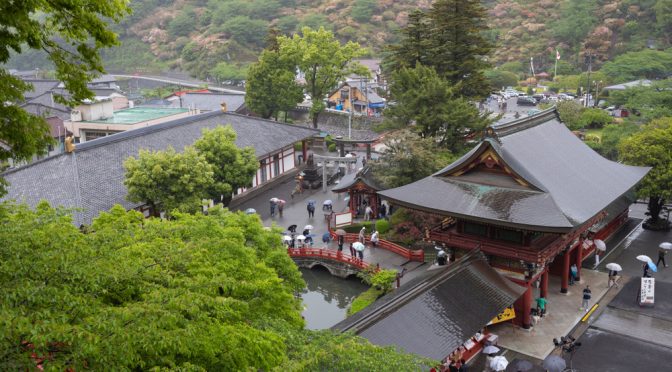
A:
590	68
351	109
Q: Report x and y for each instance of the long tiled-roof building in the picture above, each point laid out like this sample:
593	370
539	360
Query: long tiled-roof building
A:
528	193
91	178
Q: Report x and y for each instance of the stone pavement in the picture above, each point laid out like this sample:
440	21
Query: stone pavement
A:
562	315
296	213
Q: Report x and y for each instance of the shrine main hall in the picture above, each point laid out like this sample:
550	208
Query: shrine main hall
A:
531	196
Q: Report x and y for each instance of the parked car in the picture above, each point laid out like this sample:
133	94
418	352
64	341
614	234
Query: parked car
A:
538	97
526	101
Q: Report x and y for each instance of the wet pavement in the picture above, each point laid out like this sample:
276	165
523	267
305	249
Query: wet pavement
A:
296	213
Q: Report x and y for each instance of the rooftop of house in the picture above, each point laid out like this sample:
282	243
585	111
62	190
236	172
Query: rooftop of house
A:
92	178
139	114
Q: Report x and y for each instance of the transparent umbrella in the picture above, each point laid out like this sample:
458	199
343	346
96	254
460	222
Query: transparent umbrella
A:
250	211
600	245
554	363
614	266
666	245
358	246
499	363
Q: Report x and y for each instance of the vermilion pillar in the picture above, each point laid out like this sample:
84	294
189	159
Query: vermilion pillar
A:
527	305
544	284
304	150
565	272
579	259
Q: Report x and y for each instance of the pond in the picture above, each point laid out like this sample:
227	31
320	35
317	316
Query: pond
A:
326	298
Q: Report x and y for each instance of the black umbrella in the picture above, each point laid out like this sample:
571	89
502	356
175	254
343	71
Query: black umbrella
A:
292	228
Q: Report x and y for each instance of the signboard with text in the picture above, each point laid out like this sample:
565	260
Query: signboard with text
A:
343	219
647	291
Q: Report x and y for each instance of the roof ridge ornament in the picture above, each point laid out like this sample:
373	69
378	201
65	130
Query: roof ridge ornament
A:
489	132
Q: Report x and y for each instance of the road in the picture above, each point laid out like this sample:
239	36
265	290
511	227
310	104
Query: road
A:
180	82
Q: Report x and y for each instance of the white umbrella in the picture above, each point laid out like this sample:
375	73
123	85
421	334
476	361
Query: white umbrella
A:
300	237
327	202
358	246
614	266
666	245
286	238
644	258
250	211
599	244
490	349
308	227
499	363
274	200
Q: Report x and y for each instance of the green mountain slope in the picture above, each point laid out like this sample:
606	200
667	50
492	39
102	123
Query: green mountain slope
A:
216	38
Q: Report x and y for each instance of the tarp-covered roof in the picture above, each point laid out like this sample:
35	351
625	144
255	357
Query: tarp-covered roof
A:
567	183
435	313
92	178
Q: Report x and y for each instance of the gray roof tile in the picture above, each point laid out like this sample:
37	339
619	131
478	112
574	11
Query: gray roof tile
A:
571	183
92	177
434	314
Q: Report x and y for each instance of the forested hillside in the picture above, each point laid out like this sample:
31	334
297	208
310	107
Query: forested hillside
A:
217	38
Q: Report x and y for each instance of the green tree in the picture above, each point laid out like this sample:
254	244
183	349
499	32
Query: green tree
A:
651	147
191	293
227	71
183	23
412	48
649	64
449	38
570	113
271	84
499	79
663	11
167	180
422	98
577	18
594	118
233	167
612	135
362	10
323	61
71	33
649	103
407	158
245	30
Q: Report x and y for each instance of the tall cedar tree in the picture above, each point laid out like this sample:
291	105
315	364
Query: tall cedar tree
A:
449	38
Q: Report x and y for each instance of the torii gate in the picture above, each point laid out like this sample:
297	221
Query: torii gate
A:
336	160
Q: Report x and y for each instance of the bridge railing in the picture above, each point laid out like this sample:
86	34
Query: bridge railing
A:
328	254
411	255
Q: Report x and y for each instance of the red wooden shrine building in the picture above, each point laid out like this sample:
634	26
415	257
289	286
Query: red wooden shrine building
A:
362	190
528	195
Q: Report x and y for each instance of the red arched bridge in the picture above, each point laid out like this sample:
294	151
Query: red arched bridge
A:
342	264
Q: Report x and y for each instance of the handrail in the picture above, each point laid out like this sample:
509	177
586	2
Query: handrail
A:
411	255
328	254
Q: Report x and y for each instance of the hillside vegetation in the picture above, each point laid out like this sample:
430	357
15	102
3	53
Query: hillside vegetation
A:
217	38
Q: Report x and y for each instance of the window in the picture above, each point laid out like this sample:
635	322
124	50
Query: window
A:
345	94
263	171
475	229
509	235
276	165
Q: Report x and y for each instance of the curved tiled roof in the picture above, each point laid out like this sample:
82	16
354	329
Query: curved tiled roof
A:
569	183
92	177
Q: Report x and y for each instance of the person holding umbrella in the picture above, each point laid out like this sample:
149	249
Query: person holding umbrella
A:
661	256
281	206
614	268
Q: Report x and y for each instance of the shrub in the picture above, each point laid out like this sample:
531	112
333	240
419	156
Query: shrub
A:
298	146
331	147
382	226
594	118
365	299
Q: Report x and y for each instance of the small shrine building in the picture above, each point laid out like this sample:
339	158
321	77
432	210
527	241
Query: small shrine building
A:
527	196
362	190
